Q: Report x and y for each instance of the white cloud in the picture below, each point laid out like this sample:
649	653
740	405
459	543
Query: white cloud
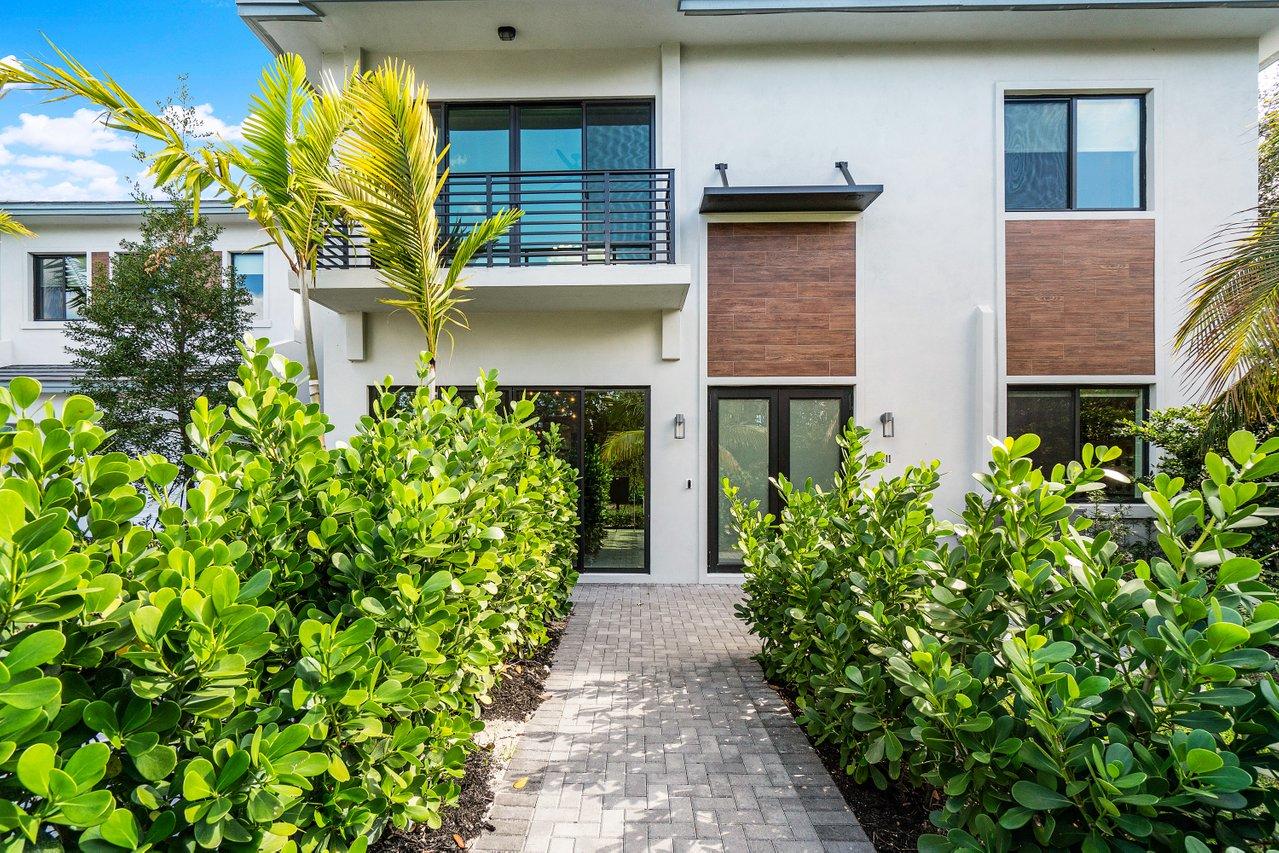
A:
79	134
76	157
50	177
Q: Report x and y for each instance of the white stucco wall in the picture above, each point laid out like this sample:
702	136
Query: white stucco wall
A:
926	122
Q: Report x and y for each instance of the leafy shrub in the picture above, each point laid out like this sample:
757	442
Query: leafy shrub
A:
1185	435
1059	697
295	656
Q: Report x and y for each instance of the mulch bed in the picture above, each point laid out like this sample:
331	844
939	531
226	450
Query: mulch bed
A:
893	818
515	698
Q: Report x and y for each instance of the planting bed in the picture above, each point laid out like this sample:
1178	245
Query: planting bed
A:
893	819
515	699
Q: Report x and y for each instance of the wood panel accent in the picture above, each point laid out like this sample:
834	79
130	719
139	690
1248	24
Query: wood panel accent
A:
781	299
1080	297
99	268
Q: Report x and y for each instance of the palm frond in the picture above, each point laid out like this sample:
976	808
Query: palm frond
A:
620	448
388	180
1232	328
11	226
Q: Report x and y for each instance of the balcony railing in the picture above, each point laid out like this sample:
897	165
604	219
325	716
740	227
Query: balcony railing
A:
592	217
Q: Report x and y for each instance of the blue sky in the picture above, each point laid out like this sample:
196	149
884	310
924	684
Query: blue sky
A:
59	151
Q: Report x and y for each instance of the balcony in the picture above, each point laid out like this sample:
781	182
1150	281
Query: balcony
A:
588	241
582	217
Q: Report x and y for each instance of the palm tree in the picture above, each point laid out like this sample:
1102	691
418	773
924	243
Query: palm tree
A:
388	178
1230	337
11	226
289	135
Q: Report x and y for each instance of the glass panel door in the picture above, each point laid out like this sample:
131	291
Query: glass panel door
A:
615	481
744	454
814	425
761	433
604	435
550	141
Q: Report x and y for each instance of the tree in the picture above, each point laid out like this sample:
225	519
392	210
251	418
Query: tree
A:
161	333
389	176
1230	336
289	134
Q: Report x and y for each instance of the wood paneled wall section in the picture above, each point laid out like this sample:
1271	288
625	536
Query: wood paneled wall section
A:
1080	297
781	299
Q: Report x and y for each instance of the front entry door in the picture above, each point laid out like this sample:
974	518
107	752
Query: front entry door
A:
757	433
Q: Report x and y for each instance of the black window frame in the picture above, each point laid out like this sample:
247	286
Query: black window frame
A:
440	114
1072	104
513	393
779	397
37	286
1139	471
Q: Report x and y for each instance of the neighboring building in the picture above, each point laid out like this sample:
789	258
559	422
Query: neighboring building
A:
42	276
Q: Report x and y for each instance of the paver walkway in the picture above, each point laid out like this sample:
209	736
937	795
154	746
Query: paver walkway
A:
661	734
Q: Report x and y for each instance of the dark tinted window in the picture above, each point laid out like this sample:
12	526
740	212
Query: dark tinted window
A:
60	284
1082	153
1035	152
1066	418
619	136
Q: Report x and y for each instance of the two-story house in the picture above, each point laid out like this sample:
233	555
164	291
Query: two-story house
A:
43	279
745	220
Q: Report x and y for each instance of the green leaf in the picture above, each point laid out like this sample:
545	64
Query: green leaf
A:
1036	797
1241	445
448	495
1223	636
438	581
156	763
34	766
25	391
35	650
121	829
88	764
1202	761
197	780
27	695
88	809
1237	570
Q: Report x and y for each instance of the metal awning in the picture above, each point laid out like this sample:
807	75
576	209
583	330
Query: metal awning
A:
857	197
822	198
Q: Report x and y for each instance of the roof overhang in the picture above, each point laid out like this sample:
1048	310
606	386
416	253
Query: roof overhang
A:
776	7
852	198
317	29
111	211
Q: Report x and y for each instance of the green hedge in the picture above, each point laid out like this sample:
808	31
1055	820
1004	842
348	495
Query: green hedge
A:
1059	698
292	654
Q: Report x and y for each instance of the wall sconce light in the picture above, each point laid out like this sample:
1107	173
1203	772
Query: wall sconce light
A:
886	422
679	426
506	33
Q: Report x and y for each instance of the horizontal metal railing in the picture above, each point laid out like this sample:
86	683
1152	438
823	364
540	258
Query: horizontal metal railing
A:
620	216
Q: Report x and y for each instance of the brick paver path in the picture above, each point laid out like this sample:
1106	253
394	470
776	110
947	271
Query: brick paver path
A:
660	734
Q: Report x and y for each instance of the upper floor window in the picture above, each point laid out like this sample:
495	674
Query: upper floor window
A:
59	284
1081	152
1067	417
547	137
249	271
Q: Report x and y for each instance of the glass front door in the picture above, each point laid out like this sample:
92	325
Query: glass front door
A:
758	433
604	435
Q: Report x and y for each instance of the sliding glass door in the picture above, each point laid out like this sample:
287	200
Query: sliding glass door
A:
757	433
604	435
